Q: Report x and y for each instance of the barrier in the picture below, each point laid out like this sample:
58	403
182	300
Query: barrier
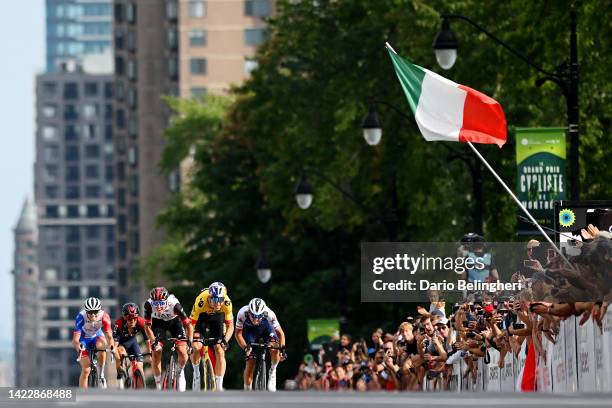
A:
579	360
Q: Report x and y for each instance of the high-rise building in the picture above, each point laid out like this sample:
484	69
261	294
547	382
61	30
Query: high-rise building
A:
25	278
75	200
76	28
173	47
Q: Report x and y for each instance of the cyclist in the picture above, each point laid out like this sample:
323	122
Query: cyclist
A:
92	329
211	310
124	331
163	312
256	322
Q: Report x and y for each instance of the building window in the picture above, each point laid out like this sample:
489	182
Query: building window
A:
71	133
71	90
257	8
53	313
51	211
89	132
51	154
53	293
92	172
93	253
172	38
92	191
109	173
121	224
71	112
134	242
92	231
254	36
73	192
131	70
74	292
197	8
49	110
198	38
133	185
132	98
173	68
73	274
90	110
93	211
73	234
73	254
174	181
198	66
130	13
71	153
49	133
119	38
131	41
73	211
91	89
132	156
119	65
50	174
118	12
171	9
72	173
108	90
92	151
120	118
132	127
50	274
53	333
51	191
49	89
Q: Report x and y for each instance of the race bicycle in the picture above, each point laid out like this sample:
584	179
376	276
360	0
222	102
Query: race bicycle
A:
208	373
260	381
134	377
170	379
93	379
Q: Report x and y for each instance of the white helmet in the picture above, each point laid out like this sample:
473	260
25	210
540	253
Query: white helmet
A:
257	306
92	303
217	291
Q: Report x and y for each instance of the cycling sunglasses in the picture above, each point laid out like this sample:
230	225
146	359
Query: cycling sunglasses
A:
216	300
159	303
93	312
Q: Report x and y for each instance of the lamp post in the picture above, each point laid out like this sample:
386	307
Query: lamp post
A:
471	162
566	76
262	266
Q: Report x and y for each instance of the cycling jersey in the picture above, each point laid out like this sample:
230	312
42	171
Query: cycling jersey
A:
172	310
92	328
201	306
243	320
121	331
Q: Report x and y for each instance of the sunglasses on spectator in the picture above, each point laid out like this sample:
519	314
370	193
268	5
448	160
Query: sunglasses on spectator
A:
159	303
328	366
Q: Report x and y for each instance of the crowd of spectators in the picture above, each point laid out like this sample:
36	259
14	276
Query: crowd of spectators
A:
421	351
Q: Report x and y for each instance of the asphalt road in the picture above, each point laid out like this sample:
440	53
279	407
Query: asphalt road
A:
228	399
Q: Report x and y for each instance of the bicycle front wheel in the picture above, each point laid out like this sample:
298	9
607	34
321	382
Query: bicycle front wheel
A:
92	379
209	376
138	381
260	375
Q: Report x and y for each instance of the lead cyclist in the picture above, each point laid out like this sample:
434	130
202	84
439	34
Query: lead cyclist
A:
256	322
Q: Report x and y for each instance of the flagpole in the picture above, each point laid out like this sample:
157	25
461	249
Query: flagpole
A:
533	221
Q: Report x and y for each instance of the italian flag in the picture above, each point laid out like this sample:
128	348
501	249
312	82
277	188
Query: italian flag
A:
448	111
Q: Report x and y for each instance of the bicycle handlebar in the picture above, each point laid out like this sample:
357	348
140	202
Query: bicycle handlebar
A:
93	350
273	346
134	356
210	341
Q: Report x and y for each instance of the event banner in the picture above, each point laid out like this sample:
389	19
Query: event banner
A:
320	331
540	180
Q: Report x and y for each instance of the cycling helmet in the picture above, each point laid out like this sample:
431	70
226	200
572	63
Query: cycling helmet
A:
472	237
159	293
257	306
217	291
92	304
130	310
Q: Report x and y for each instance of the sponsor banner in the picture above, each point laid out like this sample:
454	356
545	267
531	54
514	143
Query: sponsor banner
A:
571	364
519	363
321	331
599	366
544	379
586	357
507	374
557	364
606	340
540	158
492	372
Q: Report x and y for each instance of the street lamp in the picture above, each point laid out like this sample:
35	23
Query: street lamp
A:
372	129
264	271
445	46
303	192
565	76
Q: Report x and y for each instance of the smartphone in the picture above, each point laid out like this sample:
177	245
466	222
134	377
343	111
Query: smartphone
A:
518	325
480	312
530	263
465	324
500	325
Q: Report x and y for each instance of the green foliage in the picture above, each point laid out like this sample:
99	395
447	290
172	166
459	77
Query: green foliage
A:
302	108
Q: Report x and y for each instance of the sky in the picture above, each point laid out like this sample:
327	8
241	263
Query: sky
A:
22	47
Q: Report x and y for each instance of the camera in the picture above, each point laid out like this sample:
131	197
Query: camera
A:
518	325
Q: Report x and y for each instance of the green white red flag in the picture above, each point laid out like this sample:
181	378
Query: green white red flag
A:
445	110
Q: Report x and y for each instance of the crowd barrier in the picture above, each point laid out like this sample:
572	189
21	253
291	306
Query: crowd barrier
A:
581	360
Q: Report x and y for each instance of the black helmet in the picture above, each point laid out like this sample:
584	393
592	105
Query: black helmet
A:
130	310
472	237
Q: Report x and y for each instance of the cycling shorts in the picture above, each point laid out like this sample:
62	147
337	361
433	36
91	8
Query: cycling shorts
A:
90	343
210	325
174	327
131	346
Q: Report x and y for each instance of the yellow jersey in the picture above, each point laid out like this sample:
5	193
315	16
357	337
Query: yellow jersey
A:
201	305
